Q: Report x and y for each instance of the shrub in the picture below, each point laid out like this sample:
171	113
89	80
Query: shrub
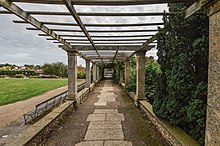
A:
19	76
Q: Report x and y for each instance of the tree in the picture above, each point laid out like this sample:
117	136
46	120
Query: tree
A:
182	86
58	69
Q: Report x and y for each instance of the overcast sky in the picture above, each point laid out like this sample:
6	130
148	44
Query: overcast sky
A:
20	46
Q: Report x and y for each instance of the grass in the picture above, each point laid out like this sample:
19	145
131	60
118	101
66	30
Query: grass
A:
13	90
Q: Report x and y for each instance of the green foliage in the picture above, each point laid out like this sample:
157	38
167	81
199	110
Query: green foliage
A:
14	72
131	87
152	70
118	68
19	76
81	72
181	90
59	69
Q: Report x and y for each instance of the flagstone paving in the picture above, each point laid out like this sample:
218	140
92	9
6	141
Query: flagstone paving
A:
105	124
107	117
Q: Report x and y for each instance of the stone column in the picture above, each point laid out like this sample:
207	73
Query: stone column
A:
88	74
98	77
140	75
212	137
94	73
127	72
121	76
72	75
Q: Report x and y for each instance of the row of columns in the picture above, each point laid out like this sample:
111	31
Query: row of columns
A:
72	74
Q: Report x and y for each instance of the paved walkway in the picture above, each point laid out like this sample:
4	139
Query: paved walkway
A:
106	118
105	127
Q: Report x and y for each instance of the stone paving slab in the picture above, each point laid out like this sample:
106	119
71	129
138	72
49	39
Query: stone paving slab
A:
107	99
104	134
115	117
99	111
90	143
117	143
96	117
104	125
100	104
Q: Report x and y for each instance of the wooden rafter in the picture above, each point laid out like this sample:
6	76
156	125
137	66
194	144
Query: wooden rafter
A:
101	40
94	14
98	31
103	48
76	17
95	25
106	2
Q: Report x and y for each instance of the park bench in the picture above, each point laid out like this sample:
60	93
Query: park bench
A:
48	104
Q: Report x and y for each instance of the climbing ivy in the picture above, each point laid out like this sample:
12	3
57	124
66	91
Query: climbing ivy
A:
181	92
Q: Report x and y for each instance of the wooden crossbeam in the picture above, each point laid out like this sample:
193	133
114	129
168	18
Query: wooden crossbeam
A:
102	36
101	40
112	31
106	2
103	48
96	25
198	5
98	31
108	43
115	55
69	5
145	46
94	14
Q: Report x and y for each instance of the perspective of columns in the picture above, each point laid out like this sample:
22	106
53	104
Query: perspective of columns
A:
127	71
94	72
140	75
72	75
97	69
88	74
213	103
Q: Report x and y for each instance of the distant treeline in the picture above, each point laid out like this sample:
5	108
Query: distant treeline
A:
14	72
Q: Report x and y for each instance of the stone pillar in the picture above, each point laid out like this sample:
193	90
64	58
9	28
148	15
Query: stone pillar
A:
212	137
140	75
72	75
94	73
127	72
98	77
121	76
88	74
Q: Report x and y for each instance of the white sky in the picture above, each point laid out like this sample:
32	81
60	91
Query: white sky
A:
20	46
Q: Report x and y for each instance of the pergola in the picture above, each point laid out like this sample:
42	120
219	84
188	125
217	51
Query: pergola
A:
107	43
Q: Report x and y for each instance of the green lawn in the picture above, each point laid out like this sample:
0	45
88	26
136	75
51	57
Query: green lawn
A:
12	90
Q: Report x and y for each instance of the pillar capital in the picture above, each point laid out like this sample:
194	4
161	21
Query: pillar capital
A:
141	53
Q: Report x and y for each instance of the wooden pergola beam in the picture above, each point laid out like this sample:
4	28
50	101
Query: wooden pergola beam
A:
66	35
8	5
69	5
102	36
106	2
101	40
115	55
97	31
198	5
94	14
103	48
95	25
145	46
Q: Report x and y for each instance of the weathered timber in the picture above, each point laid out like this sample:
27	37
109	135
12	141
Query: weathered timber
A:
76	17
95	25
94	14
120	48
106	2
